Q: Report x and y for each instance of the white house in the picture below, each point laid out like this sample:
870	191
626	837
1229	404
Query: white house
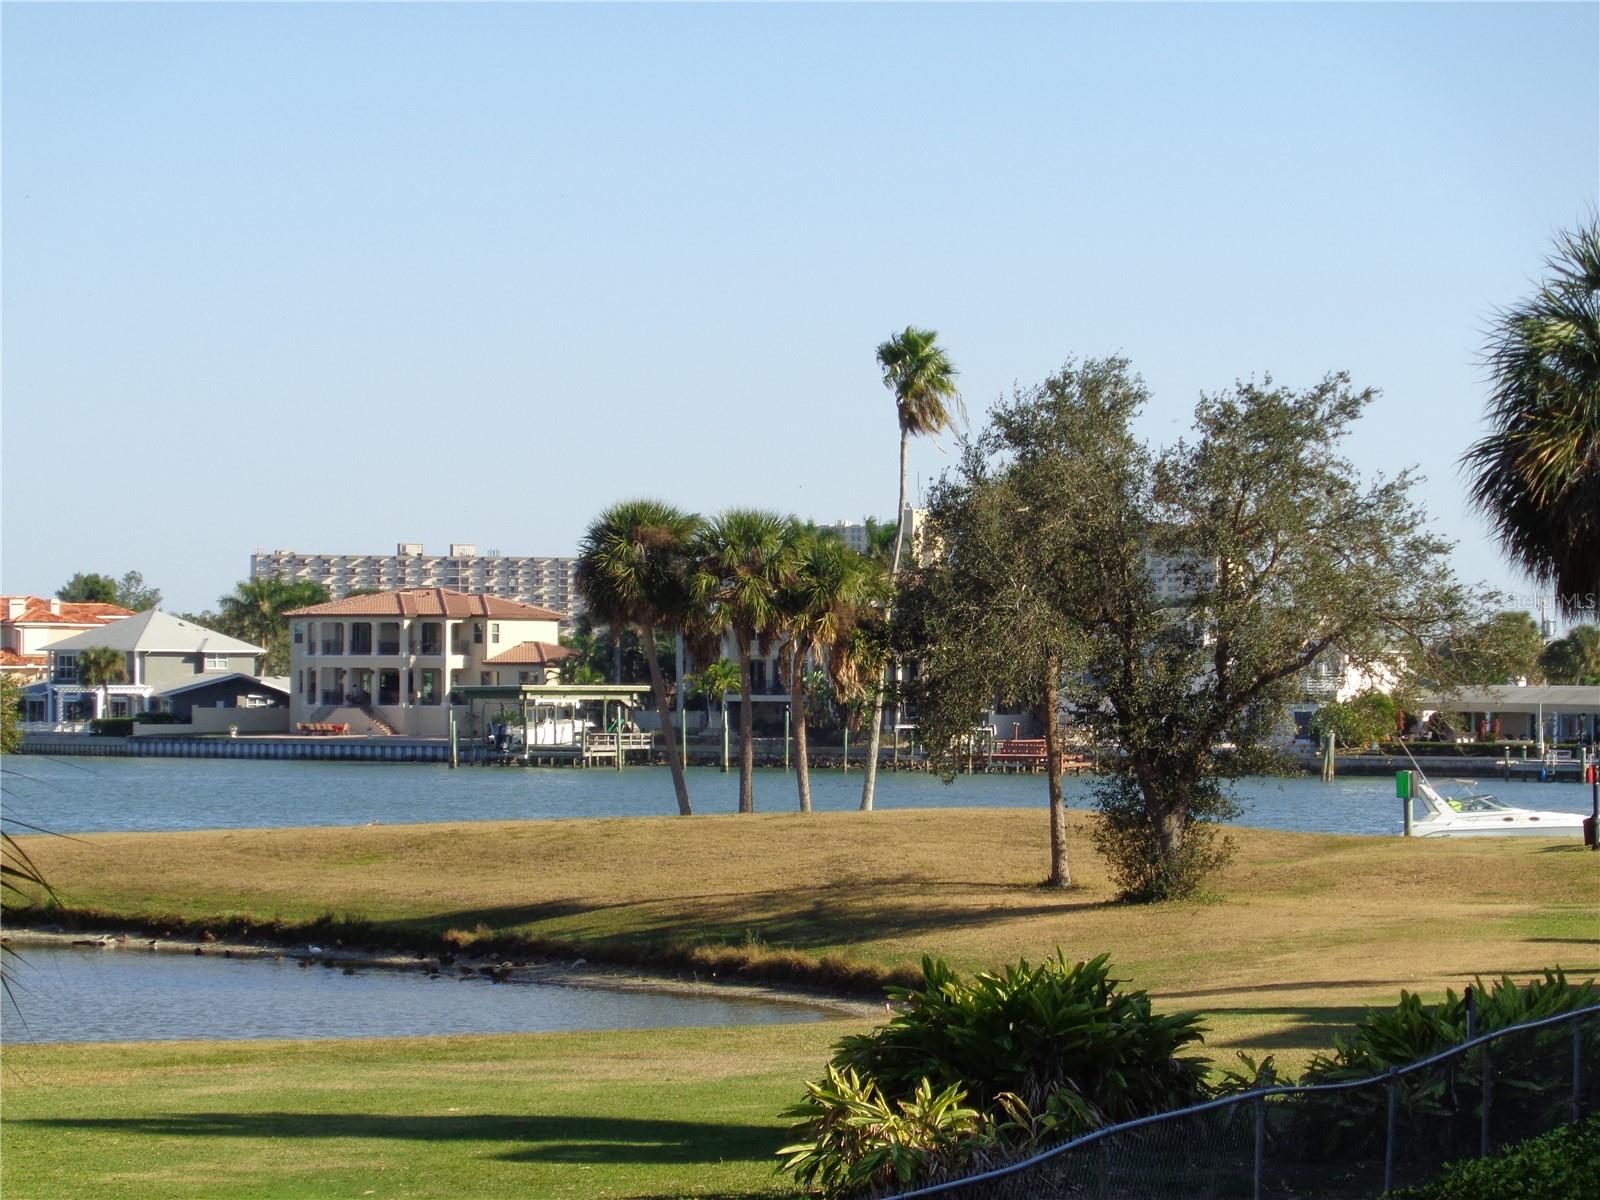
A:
387	662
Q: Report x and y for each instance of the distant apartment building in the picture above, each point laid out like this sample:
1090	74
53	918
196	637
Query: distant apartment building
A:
856	535
545	582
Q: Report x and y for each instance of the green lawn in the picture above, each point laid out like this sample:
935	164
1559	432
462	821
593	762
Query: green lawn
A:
1291	943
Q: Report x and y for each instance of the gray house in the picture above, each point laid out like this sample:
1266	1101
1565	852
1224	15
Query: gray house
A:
233	691
160	652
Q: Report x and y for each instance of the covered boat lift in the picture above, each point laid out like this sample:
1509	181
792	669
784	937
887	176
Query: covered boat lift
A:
552	731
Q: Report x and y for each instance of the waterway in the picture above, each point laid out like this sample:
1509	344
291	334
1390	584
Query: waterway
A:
84	795
134	994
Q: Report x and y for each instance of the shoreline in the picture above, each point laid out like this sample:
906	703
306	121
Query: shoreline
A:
550	971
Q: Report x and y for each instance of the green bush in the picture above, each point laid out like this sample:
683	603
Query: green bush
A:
1559	1165
1411	1030
855	1140
111	726
1042	1053
160	718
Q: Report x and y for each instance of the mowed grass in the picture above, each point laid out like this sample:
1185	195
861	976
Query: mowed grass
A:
653	1113
1298	919
1287	947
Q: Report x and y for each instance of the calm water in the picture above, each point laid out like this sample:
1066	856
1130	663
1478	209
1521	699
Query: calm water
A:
128	994
80	795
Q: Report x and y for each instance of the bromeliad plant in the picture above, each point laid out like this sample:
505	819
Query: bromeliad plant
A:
1040	1053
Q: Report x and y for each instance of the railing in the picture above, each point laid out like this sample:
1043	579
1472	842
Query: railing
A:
1349	1140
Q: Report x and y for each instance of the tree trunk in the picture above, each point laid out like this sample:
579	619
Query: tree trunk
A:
797	703
616	654
1060	869
747	745
870	783
668	731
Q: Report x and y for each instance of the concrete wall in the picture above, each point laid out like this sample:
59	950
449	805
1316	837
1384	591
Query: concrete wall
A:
216	721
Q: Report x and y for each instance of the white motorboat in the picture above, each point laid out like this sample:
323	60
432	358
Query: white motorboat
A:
1466	812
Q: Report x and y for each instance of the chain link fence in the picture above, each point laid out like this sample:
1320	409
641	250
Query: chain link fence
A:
1347	1141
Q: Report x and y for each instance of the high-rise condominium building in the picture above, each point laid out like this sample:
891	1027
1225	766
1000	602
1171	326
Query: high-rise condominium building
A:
547	582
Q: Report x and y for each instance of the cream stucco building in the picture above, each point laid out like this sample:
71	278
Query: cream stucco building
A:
387	662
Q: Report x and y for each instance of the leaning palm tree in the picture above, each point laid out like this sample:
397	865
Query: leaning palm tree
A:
822	603
742	559
923	380
1536	475
633	569
99	667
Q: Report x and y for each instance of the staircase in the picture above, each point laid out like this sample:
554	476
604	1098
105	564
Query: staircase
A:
379	725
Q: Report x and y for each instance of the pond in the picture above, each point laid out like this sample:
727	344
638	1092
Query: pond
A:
135	994
81	795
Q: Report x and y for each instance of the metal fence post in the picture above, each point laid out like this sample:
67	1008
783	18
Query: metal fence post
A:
1577	1070
1388	1141
1261	1144
1488	1083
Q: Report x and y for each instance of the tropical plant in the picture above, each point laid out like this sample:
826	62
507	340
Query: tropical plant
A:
1557	1165
923	379
1033	1032
853	1140
1536	474
101	666
256	612
713	682
820	604
633	569
1574	658
742	560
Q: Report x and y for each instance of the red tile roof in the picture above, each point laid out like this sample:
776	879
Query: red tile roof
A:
429	602
529	654
10	658
72	612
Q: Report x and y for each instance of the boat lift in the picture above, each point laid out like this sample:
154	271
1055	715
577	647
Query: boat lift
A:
552	732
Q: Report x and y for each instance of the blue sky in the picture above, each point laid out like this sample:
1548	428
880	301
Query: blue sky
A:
333	277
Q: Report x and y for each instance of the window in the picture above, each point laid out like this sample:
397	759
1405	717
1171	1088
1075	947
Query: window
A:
494	633
66	668
216	662
299	633
483	678
477	634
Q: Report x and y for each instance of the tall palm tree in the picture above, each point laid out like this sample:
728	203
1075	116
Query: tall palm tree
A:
741	561
255	611
822	603
923	379
1536	475
99	667
633	569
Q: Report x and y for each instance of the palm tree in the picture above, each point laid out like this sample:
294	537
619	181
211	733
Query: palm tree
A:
923	380
1536	475
1574	658
99	667
255	611
633	569
716	680
822	603
741	560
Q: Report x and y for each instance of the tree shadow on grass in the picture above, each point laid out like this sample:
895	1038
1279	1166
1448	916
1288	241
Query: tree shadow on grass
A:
540	1139
1301	1028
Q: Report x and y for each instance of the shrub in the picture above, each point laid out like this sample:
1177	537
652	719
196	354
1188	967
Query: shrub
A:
1041	1053
856	1140
1559	1165
111	726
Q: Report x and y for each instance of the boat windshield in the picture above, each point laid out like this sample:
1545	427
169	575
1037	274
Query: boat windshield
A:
1468	802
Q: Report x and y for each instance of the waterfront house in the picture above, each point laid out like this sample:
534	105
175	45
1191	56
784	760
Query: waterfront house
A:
30	624
160	651
386	662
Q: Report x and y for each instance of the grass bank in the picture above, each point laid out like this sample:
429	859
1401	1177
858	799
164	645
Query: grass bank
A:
1293	940
1298	920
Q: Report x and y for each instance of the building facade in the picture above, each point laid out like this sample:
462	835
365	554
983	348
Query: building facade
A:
387	662
30	624
159	651
544	582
